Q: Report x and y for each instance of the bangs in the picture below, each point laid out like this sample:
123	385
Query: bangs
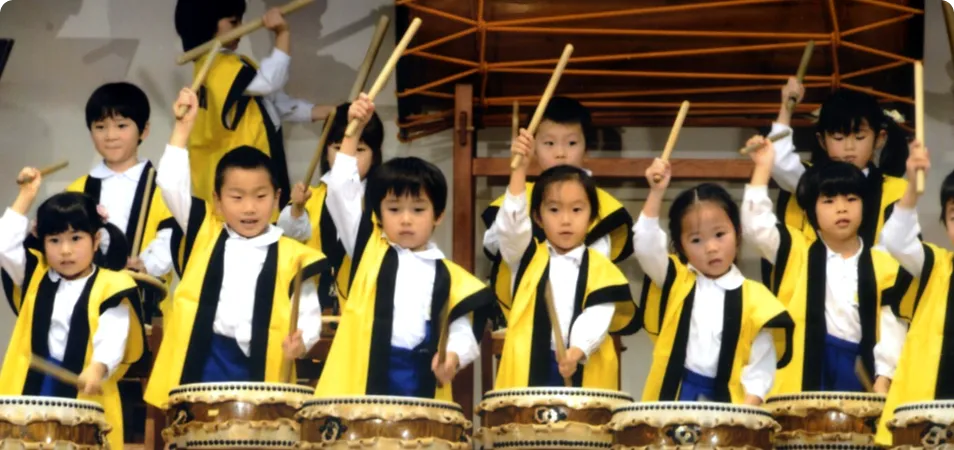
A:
846	111
407	176
842	182
947	194
563	174
67	211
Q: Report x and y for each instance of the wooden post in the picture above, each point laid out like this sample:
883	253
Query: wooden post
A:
464	192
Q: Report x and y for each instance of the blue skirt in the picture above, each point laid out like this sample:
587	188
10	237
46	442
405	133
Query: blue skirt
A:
696	388
226	362
838	371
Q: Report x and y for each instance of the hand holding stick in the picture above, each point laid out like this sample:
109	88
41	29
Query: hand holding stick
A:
200	77
800	75
674	134
39	364
286	370
557	334
773	138
388	68
47	171
919	116
545	99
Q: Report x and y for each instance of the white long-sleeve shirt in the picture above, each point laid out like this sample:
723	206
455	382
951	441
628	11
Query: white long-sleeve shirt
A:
414	287
269	83
244	258
109	341
900	238
842	317
300	229
514	235
708	309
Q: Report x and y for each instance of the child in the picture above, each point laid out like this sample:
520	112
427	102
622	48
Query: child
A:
591	296
836	288
924	371
851	127
307	219
403	292
73	309
117	116
231	309
242	104
710	325
562	139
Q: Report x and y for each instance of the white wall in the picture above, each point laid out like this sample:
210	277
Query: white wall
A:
66	48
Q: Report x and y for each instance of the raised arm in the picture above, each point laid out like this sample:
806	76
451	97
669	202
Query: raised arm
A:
345	191
759	224
788	166
173	175
650	244
273	70
901	230
14	227
513	228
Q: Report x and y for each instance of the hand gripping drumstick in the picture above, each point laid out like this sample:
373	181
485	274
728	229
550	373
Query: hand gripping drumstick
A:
200	77
238	32
674	134
388	68
557	334
286	371
773	138
800	75
39	364
919	116
146	200
46	171
545	99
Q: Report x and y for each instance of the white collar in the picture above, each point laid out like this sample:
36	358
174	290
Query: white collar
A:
431	251
732	279
853	258
133	173
575	255
56	277
269	237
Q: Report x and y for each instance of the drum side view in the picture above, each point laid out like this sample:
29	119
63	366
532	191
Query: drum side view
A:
37	422
680	424
827	417
923	425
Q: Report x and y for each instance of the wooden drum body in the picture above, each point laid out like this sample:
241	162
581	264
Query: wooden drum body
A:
234	415
826	417
51	423
383	423
549	418
923	425
688	424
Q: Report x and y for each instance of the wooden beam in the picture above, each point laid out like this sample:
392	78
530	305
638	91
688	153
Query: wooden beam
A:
463	224
630	168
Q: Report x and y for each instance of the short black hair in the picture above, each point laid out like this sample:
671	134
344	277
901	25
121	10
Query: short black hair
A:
118	100
406	176
560	174
247	158
76	211
947	193
830	179
372	136
687	199
568	111
197	21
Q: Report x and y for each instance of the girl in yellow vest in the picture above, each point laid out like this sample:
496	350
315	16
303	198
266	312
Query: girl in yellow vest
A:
72	309
710	325
241	102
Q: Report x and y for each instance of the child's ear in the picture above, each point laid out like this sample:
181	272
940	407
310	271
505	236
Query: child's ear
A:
144	133
821	141
438	220
217	201
537	219
880	140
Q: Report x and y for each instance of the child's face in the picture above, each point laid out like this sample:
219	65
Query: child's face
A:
365	157
855	148
558	144
409	221
247	200
708	238
70	253
227	24
117	140
949	220
564	215
839	216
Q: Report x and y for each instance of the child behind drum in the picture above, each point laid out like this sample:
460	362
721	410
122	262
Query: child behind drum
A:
591	296
73	310
710	325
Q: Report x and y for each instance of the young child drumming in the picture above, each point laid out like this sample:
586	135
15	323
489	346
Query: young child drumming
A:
561	139
926	363
837	288
307	219
712	328
72	309
242	103
403	292
853	128
231	309
117	116
591	296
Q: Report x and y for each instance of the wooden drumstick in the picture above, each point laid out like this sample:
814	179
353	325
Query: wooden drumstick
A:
545	99
46	171
200	77
800	75
557	333
442	340
863	376
319	152
238	32
286	371
919	116
42	365
773	138
515	120
137	240
388	68
674	134
369	57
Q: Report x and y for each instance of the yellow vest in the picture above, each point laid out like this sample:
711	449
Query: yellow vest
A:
188	330
526	347
105	289
667	313
358	361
